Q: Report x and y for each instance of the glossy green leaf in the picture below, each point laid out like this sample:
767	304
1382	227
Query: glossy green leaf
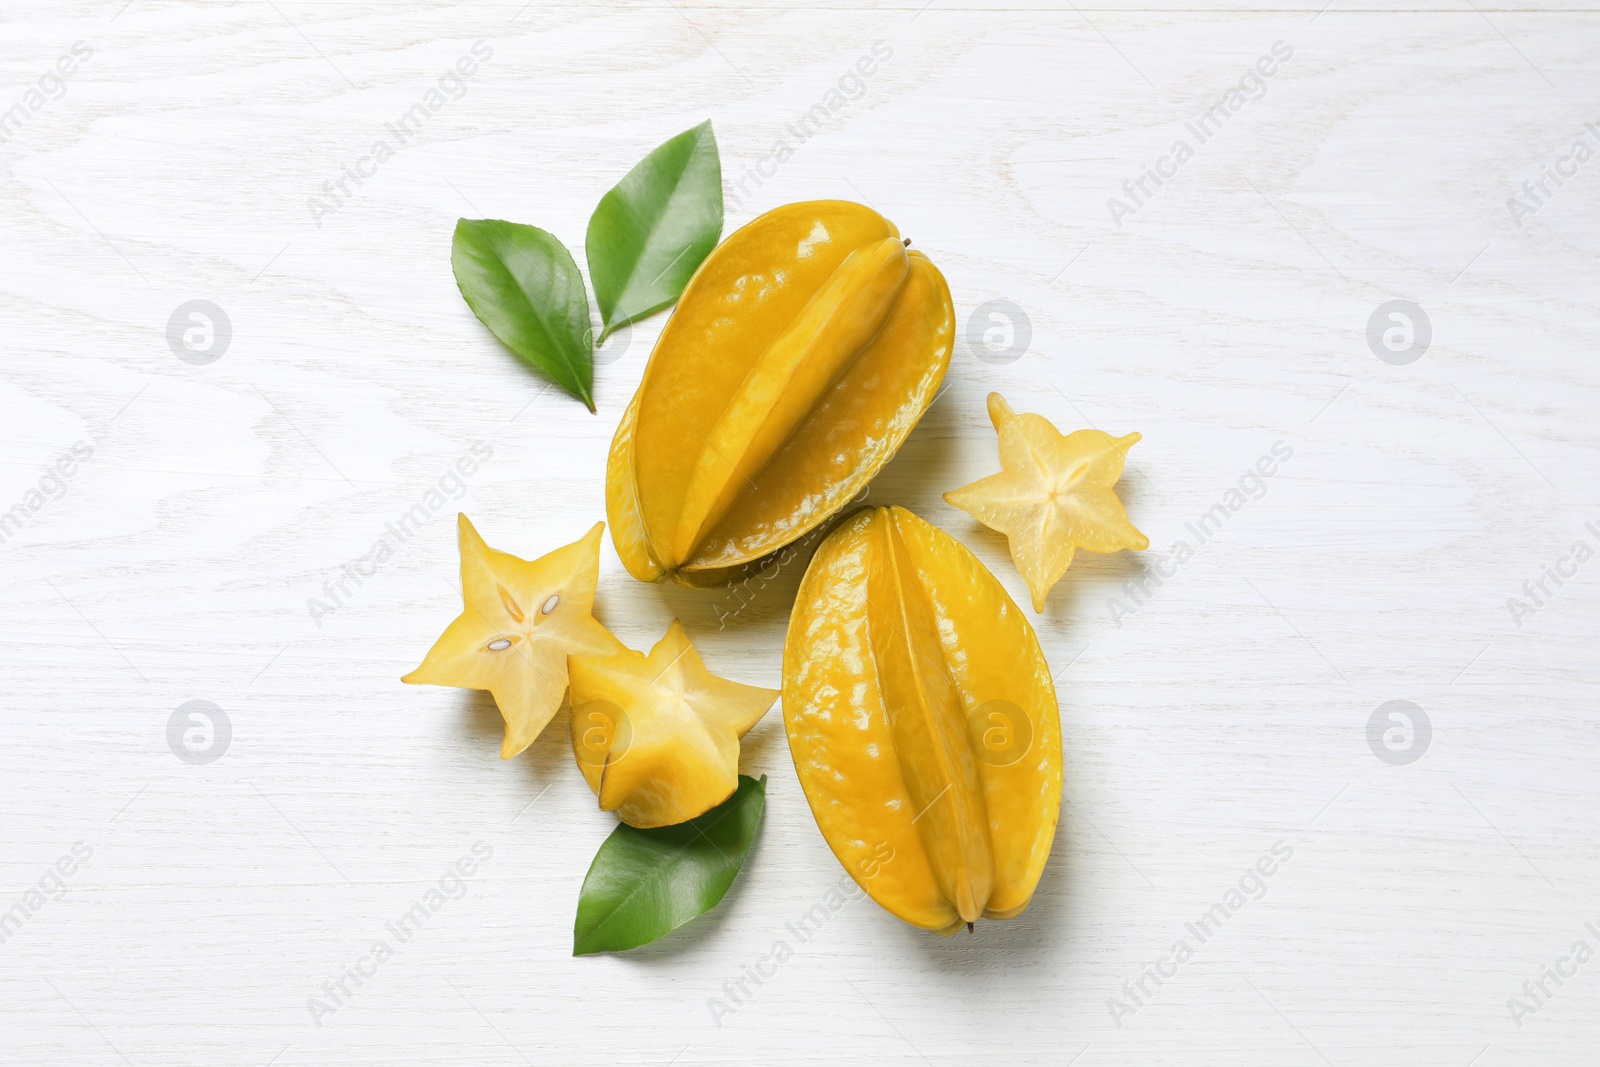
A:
646	883
523	284
649	233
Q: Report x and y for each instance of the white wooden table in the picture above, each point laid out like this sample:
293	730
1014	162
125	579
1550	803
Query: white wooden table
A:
1227	712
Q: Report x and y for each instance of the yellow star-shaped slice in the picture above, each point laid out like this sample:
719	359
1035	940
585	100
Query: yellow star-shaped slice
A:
1053	496
657	736
519	622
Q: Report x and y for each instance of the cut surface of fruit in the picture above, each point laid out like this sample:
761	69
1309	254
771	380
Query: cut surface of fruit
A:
798	359
657	736
922	720
520	620
1053	496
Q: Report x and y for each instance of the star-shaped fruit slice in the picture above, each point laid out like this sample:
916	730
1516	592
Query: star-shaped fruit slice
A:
1053	496
520	620
657	736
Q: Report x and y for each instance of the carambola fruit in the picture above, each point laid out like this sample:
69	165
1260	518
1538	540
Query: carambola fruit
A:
803	351
519	621
657	736
1053	496
922	719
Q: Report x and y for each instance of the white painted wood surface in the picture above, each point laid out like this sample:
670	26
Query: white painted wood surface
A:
1228	713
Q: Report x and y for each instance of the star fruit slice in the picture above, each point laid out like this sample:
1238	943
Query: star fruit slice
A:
520	620
1053	496
657	736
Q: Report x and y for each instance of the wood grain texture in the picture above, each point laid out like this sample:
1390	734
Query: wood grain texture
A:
1226	713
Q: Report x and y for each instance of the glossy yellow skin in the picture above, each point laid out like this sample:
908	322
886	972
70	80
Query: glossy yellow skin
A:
801	354
923	723
520	619
1053	495
657	736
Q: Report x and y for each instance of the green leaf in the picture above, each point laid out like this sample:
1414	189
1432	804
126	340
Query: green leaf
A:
646	883
523	284
649	233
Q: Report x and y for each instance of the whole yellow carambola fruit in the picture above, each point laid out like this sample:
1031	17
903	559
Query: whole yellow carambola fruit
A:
923	723
803	351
